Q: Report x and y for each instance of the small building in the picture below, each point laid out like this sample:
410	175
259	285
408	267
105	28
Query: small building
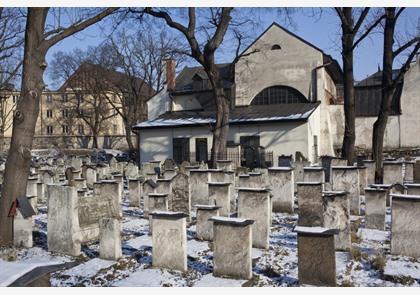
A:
280	88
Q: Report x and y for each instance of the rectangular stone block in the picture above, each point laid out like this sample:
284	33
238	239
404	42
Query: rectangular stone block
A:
281	183
169	240
393	172
232	247
199	187
370	171
346	178
413	188
314	174
375	199
337	215
310	202
316	256
204	226
254	204
405	228
22	231
134	192
110	239
219	195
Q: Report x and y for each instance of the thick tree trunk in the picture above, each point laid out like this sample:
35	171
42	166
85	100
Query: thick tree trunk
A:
387	93
95	143
24	121
349	105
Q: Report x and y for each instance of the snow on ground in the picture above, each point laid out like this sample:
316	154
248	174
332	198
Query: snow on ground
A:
368	264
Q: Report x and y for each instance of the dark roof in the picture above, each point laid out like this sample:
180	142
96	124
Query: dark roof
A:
184	81
238	115
376	79
114	79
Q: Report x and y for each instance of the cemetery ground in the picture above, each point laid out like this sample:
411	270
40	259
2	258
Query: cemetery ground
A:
369	263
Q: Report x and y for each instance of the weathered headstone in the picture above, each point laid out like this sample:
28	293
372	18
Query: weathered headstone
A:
316	256
370	171
313	174
204	226
198	185
134	192
375	199
181	199
310	202
169	240
393	172
219	195
281	183
232	246
254	203
346	178
413	188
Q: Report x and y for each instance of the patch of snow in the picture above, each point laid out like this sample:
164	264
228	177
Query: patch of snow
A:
402	267
89	268
211	281
139	242
194	248
373	234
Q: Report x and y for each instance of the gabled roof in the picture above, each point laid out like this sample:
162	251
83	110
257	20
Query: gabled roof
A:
239	115
376	79
113	79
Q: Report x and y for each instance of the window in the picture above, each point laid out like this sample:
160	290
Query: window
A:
65	113
278	95
49	113
276	47
81	130
15	98
79	97
64	97
49	129
201	152
65	129
49	98
181	149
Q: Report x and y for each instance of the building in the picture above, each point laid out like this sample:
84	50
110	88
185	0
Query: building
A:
84	112
281	89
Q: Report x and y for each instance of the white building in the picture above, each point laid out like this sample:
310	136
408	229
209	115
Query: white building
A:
281	89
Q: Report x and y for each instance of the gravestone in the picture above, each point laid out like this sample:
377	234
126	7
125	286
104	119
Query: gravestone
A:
204	226
254	203
413	188
225	165
149	187
198	186
393	172
110	238
132	171
90	177
169	240
316	256
63	220
23	224
405	227
314	174
134	192
370	171
181	199
169	164
375	200
219	195
281	183
346	178
387	188
409	171
337	215
232	247
310	202
416	171
285	161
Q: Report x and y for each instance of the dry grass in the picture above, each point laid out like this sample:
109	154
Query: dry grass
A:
355	238
378	262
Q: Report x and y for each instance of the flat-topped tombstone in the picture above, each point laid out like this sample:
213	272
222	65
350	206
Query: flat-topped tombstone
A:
219	195
110	238
198	186
232	247
310	202
316	256
393	172
169	240
91	176
181	199
243	180
169	174
110	190
416	172
254	203
217	175
346	178
314	174
63	220
413	188
375	199
79	183
164	186
23	223
256	180
337	215
132	171
370	171
204	226
405	227
387	188
281	183
31	186
134	192
362	178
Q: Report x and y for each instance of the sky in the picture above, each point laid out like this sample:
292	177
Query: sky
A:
321	30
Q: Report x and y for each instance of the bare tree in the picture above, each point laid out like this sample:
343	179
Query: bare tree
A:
389	82
140	57
215	29
352	35
38	40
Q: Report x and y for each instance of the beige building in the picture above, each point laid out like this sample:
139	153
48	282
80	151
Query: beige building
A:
74	117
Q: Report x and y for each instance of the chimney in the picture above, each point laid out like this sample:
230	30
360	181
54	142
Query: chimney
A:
170	74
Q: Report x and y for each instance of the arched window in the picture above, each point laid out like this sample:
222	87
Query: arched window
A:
278	95
276	47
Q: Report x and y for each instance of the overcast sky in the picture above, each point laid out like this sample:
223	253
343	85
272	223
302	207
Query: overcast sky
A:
321	31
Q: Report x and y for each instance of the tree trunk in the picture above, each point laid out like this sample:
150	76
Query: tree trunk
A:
19	158
95	143
349	105
386	95
128	136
